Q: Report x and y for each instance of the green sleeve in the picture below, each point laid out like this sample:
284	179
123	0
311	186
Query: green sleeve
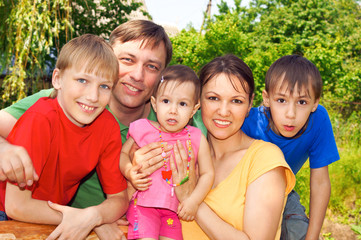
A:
18	108
198	122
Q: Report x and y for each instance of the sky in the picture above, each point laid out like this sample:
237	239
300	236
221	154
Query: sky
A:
182	12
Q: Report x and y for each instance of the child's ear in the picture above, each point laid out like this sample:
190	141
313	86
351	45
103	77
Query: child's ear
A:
195	108
55	80
265	97
152	101
315	105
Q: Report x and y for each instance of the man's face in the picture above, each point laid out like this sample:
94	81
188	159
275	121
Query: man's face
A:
140	67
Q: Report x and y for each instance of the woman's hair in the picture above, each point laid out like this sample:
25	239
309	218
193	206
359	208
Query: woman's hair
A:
147	31
92	53
294	71
180	74
231	66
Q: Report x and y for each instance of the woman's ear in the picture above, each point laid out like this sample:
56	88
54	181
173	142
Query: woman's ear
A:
251	103
56	79
153	102
265	97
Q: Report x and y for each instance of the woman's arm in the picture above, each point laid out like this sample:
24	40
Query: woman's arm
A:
263	208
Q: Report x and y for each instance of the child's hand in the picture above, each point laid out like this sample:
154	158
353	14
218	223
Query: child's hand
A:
187	210
76	223
140	181
109	231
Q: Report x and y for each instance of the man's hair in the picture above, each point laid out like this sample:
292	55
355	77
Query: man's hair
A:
294	70
91	52
180	74
231	66
152	34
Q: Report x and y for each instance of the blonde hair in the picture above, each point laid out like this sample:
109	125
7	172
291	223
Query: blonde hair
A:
91	52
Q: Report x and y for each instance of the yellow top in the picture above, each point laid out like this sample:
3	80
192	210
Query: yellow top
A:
227	199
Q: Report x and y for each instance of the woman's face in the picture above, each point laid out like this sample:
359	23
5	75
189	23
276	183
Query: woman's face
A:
224	105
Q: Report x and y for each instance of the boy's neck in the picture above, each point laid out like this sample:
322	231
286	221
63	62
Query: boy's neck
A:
127	115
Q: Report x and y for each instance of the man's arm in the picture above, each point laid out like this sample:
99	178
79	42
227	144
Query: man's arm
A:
15	163
320	191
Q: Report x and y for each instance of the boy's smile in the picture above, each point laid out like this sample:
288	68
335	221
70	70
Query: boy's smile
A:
82	96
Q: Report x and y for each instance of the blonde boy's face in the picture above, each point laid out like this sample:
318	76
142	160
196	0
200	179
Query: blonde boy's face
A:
82	96
290	112
175	105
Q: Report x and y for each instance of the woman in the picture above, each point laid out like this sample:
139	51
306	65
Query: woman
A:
252	178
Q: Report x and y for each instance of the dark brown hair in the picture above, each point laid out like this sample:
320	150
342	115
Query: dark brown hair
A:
294	70
232	66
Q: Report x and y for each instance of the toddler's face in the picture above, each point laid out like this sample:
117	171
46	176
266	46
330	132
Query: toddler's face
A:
290	112
175	105
81	95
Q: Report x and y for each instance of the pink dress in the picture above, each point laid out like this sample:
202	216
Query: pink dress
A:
159	194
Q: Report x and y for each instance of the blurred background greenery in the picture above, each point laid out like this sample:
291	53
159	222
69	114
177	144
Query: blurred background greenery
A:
327	32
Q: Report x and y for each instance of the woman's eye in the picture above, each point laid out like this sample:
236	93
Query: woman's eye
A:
237	101
213	98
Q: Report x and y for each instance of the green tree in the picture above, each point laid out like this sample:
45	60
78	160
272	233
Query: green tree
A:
33	31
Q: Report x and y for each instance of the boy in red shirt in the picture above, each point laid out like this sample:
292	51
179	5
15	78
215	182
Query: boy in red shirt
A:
67	135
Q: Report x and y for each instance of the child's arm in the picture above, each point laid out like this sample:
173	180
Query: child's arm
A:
130	172
320	190
188	208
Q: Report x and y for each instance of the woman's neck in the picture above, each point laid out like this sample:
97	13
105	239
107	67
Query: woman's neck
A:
221	147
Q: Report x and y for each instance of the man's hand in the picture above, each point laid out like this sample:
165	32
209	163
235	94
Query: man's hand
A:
140	181
16	165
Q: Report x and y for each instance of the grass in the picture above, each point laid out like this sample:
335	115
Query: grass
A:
345	174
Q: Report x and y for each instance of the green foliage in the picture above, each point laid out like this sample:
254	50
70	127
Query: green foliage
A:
33	31
325	32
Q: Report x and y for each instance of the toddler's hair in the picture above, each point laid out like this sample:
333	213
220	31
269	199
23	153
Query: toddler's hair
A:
180	74
231	66
294	71
146	31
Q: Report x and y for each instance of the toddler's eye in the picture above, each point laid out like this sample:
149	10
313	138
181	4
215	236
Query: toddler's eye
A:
165	101
104	86
302	102
281	100
183	104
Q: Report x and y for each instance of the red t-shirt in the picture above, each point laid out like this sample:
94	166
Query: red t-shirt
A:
63	153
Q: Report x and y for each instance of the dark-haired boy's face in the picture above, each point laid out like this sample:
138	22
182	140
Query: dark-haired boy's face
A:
290	111
140	67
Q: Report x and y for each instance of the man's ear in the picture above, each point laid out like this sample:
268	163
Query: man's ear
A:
153	101
55	80
265	97
315	105
195	108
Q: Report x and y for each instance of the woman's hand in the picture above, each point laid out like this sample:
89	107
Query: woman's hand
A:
149	156
179	171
